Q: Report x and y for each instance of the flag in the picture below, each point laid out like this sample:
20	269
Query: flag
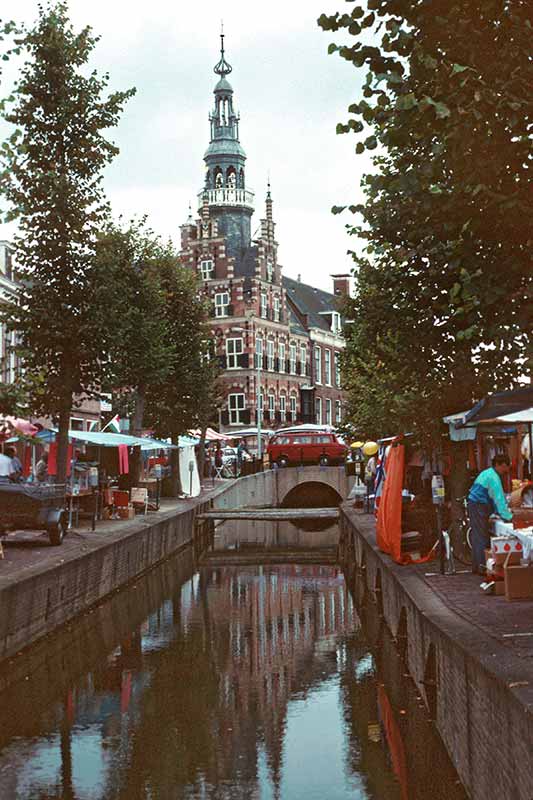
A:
379	478
93	424
113	425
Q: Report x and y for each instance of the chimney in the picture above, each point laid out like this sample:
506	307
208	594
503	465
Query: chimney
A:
341	285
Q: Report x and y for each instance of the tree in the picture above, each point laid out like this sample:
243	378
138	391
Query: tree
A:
443	307
158	340
189	398
52	174
131	304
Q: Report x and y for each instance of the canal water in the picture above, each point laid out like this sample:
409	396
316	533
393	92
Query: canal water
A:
227	680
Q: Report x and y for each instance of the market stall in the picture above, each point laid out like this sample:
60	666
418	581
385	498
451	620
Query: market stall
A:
102	468
500	422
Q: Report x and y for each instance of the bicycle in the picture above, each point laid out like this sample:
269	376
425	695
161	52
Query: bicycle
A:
461	534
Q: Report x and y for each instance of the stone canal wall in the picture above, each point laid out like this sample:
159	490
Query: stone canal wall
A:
479	694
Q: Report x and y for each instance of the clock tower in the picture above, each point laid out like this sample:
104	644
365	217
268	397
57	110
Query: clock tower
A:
230	202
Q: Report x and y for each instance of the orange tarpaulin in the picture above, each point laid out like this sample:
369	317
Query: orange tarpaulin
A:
389	522
389	528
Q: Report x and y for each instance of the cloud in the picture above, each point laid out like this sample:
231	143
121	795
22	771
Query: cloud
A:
290	94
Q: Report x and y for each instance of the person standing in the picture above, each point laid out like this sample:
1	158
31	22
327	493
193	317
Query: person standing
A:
15	463
241	450
41	469
7	472
485	498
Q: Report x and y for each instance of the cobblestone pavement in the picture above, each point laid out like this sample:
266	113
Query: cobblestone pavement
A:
511	623
26	551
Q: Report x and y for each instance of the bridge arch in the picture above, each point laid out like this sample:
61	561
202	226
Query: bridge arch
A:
311	494
311	487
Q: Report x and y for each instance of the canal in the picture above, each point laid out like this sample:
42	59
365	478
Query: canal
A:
225	680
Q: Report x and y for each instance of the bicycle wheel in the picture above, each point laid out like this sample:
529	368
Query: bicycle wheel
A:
460	535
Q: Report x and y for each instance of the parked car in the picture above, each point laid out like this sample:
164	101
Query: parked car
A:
229	455
305	447
250	438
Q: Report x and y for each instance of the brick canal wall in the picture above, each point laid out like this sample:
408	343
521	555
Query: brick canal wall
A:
478	692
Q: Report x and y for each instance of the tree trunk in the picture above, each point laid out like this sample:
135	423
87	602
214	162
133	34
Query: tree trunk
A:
175	480
138	414
201	454
62	442
137	430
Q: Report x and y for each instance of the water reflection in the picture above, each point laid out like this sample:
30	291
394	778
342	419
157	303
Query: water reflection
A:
272	536
232	682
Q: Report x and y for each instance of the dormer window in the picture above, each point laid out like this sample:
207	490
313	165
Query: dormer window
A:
207	268
336	322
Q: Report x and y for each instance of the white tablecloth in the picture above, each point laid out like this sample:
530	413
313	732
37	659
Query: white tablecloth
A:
524	535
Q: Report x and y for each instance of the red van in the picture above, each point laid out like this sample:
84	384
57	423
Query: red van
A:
306	447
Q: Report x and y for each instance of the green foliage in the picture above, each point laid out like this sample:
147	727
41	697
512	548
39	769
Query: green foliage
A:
189	397
52	171
13	401
155	323
130	311
444	303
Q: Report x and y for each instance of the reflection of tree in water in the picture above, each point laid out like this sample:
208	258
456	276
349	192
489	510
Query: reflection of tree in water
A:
408	740
249	646
188	685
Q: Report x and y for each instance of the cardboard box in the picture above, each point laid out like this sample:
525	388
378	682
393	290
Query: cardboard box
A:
499	588
502	546
518	581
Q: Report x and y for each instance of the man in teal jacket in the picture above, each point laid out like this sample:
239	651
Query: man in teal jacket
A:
486	497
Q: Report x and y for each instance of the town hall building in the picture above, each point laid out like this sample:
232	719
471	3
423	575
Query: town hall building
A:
278	339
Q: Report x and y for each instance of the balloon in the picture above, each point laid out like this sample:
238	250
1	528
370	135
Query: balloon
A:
370	449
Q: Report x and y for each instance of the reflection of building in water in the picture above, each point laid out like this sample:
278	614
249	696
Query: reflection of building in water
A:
268	534
193	697
274	634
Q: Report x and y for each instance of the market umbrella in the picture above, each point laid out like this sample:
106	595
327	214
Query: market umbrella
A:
210	435
13	426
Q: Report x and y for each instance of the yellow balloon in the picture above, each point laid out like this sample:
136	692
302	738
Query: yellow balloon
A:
370	449
357	444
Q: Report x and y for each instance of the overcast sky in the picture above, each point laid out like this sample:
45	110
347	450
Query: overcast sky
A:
290	95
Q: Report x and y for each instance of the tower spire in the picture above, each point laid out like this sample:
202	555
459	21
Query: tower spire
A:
222	68
269	201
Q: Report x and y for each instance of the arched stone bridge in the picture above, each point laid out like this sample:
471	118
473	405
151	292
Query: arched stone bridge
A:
292	487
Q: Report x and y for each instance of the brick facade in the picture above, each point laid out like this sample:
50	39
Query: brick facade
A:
274	343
